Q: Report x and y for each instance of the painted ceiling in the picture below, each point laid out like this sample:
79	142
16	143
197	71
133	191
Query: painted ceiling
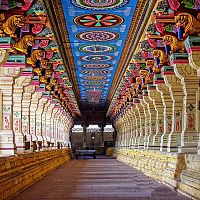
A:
97	32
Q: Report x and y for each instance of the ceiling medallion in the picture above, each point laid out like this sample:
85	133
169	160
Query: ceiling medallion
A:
94	82
96	58
94	92
94	86
89	90
98	20
98	48
96	66
97	36
95	72
99	4
95	78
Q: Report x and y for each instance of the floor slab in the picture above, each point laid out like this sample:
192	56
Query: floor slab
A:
98	179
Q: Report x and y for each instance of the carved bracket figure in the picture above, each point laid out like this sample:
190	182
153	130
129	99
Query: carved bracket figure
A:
10	25
187	24
172	44
23	44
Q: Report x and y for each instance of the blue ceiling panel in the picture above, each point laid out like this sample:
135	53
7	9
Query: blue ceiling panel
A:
97	32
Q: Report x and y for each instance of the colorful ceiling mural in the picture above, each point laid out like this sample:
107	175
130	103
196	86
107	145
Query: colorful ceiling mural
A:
97	32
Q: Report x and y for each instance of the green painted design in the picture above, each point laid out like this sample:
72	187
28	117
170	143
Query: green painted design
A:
169	28
188	3
16	114
6	108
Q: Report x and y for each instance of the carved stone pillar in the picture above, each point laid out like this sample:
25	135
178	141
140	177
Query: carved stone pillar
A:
141	127
190	85
193	49
177	95
54	131
153	128
34	106
20	83
130	128
39	111
7	140
168	114
155	96
133	127
44	123
26	101
48	123
7	144
58	116
147	129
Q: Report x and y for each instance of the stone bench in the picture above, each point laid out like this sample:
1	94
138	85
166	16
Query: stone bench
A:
86	153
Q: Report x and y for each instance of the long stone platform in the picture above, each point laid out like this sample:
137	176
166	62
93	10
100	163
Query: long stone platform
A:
98	179
18	172
180	171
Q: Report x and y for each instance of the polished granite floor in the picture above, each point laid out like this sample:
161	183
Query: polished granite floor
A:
98	179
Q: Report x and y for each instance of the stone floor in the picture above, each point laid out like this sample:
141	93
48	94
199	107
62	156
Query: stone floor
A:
98	179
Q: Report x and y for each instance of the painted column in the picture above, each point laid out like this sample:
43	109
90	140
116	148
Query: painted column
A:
26	101
7	140
49	120
155	96
168	114
190	85
193	49
53	137
34	106
141	113
177	94
147	128
20	83
152	120
44	123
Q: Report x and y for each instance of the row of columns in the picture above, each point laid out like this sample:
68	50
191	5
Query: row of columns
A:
167	119
30	121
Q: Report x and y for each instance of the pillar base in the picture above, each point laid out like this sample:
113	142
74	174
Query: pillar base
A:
188	148
7	146
19	141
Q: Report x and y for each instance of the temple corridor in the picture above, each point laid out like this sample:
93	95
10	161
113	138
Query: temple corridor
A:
98	179
118	78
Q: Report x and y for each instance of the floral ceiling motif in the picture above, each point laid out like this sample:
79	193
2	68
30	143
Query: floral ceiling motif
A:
97	36
99	4
96	66
98	20
97	32
98	48
96	58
